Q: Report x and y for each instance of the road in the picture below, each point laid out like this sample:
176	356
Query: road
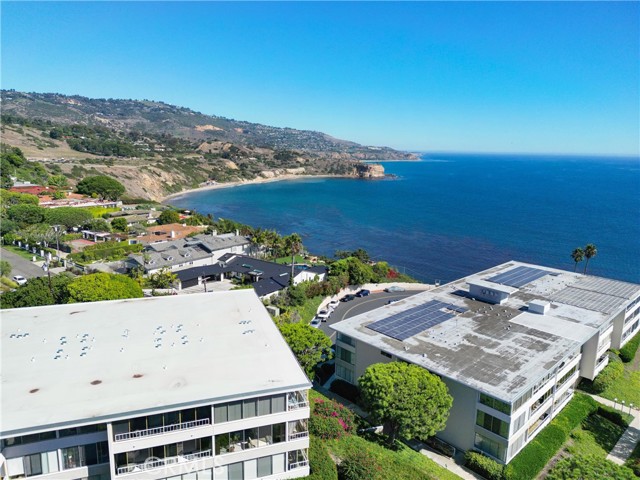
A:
21	266
361	305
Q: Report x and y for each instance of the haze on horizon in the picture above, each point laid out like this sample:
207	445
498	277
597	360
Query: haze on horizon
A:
548	77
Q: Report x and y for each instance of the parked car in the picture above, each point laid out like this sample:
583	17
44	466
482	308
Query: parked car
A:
394	288
323	315
393	300
315	323
333	304
348	298
363	293
19	279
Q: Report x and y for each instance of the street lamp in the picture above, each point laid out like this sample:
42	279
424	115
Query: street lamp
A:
46	268
630	406
615	400
622	406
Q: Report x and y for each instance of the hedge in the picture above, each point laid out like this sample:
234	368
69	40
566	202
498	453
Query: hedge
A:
485	466
322	466
533	458
608	376
628	352
614	416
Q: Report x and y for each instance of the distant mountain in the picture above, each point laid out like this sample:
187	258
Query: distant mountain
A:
161	118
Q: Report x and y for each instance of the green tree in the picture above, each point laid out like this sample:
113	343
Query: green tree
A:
103	186
167	217
26	214
97	225
5	268
406	399
120	224
38	291
38	233
293	246
68	216
309	345
57	181
578	256
103	286
162	279
590	251
580	467
356	271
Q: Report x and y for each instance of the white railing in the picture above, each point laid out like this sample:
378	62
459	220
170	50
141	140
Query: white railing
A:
296	435
148	465
303	463
160	430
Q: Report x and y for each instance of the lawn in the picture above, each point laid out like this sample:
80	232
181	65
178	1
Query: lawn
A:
287	260
98	212
596	436
19	251
627	387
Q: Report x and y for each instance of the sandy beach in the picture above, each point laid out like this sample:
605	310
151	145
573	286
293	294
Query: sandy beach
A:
255	181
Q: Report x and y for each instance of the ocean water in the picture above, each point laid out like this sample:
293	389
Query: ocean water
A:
451	215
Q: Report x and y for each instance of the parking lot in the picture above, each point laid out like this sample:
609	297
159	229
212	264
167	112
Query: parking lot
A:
361	305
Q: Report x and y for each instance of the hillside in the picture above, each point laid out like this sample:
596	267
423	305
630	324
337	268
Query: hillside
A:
161	118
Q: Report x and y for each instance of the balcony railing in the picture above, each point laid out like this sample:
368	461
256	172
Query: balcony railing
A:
303	463
296	435
297	400
119	437
141	467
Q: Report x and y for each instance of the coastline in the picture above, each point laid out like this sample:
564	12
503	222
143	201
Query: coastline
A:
255	181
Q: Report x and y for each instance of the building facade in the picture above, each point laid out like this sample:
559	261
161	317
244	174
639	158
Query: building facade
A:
182	387
510	343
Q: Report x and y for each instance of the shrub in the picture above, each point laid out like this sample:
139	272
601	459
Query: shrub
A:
329	419
346	390
608	376
485	466
532	458
628	352
322	466
613	416
357	465
588	466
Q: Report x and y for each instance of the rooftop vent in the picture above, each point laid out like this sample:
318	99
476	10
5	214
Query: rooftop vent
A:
539	306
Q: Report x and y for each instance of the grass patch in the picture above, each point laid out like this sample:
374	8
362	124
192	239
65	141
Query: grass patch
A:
98	212
400	464
633	462
596	436
287	260
21	252
308	309
626	387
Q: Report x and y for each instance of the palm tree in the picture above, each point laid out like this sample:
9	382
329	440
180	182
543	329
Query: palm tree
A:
590	251
578	256
293	243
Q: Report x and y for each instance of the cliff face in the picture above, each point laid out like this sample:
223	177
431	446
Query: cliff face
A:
369	170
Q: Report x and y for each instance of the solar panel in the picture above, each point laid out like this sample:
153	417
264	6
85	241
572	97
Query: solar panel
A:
519	276
410	322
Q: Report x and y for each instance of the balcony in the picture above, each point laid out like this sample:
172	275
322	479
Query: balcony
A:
301	464
297	435
159	463
119	437
297	400
537	424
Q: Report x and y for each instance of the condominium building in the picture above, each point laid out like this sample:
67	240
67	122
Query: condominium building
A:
187	387
510	343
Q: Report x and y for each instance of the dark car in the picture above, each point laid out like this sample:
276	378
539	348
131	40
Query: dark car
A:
348	298
363	293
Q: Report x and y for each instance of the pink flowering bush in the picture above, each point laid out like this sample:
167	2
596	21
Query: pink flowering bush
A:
329	419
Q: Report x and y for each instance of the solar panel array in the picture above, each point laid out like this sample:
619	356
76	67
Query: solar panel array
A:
519	276
410	322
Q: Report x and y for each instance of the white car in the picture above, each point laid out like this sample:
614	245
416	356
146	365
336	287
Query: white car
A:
315	323
19	279
323	315
333	304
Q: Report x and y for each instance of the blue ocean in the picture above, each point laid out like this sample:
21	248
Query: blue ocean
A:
449	215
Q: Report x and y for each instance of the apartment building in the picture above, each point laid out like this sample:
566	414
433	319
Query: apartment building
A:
510	343
187	387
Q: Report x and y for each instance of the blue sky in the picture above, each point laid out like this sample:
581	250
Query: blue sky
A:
484	77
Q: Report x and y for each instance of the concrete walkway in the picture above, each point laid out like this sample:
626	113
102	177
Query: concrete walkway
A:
629	439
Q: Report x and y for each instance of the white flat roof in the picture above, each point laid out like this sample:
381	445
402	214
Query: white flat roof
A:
89	362
501	350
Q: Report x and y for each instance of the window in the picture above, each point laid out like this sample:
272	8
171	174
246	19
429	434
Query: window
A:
264	406
249	408
235	411
489	446
346	339
494	403
220	413
33	465
264	466
236	471
345	355
492	424
521	401
344	372
249	438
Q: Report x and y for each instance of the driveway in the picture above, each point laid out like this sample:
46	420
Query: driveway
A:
361	305
21	266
